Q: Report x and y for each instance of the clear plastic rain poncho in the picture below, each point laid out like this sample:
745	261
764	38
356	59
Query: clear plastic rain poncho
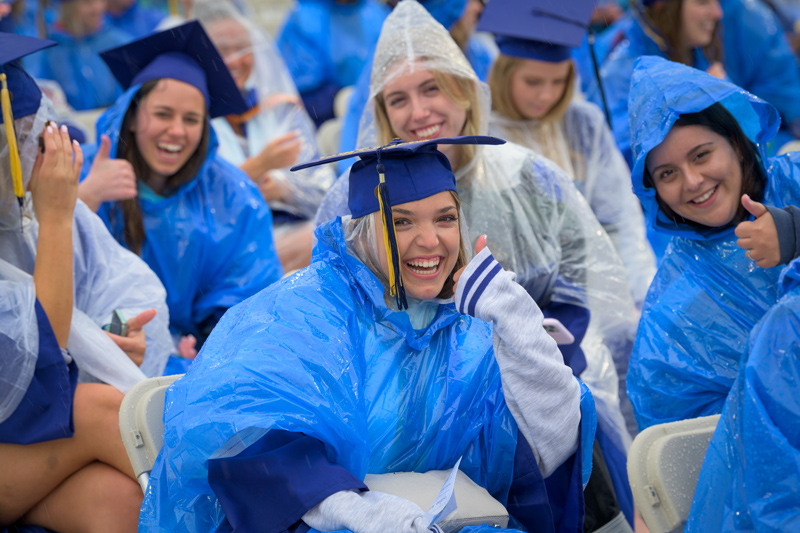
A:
281	111
581	144
106	277
707	295
538	225
321	353
751	472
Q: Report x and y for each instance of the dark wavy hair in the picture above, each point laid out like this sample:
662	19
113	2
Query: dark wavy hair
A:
719	120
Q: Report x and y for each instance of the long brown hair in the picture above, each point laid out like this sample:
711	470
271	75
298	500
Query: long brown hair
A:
665	19
447	288
500	86
133	224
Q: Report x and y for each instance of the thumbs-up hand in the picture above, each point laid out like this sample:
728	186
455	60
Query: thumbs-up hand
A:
759	237
135	343
108	180
479	245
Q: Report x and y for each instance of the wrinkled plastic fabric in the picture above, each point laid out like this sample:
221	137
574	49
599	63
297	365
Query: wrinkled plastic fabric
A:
756	56
281	113
321	353
326	42
706	296
216	248
106	277
560	254
76	65
751	472
581	143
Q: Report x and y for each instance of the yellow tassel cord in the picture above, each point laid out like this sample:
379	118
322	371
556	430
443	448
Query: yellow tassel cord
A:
390	242
8	122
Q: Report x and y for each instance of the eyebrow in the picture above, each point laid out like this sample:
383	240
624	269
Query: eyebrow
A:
428	80
690	152
411	213
172	110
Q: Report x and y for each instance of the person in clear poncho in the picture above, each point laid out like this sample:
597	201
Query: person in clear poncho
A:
707	294
532	99
273	134
541	227
330	379
62	276
752	468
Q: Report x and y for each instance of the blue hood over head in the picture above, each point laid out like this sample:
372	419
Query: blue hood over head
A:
660	92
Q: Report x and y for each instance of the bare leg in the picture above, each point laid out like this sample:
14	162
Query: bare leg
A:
95	498
31	472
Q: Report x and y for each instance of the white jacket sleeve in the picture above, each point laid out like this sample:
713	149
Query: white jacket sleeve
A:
366	512
540	391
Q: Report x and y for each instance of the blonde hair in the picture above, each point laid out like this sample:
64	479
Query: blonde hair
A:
500	85
460	91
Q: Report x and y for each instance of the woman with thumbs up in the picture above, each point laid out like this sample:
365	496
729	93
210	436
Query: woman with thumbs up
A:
702	174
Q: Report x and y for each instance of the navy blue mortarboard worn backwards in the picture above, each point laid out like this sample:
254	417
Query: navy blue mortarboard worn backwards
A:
394	174
543	30
184	53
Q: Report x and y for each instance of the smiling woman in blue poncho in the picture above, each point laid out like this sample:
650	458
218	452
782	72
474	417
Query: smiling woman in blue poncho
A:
157	182
323	378
699	146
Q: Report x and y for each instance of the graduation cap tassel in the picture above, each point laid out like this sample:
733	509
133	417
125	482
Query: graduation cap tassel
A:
390	240
599	79
8	121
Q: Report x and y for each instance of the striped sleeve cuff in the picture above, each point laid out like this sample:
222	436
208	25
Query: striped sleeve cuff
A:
473	282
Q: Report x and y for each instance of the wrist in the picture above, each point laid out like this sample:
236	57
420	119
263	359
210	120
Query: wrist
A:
89	196
480	273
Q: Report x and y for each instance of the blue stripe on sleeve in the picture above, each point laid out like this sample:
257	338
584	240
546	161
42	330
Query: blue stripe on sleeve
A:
482	287
471	281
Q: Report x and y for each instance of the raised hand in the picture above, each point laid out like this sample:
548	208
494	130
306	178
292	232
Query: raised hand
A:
759	237
479	245
109	180
54	178
280	152
135	344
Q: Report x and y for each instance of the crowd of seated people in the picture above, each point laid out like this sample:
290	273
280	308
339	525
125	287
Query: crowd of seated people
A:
534	244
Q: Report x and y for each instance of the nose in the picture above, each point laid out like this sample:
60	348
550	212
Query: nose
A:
692	180
716	10
427	238
419	111
176	128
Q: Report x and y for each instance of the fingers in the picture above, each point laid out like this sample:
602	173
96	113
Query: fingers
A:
139	321
105	148
78	158
292	135
481	244
754	208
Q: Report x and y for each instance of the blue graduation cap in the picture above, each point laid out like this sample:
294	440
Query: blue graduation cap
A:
415	170
183	53
19	95
544	30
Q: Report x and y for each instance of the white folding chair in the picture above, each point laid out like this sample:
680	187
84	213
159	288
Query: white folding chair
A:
141	423
664	463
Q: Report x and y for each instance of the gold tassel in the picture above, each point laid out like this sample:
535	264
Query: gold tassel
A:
8	122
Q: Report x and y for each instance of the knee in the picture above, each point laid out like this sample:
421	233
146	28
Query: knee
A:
96	408
116	503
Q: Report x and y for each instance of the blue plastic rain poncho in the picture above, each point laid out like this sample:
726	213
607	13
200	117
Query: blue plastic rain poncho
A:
275	110
325	44
706	296
106	278
320	353
752	469
77	67
137	20
210	242
756	56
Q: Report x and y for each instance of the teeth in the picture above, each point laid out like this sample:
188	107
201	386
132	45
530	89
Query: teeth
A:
429	131
424	263
705	197
174	148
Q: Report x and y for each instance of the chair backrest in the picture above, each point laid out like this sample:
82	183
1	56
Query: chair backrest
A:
141	423
664	463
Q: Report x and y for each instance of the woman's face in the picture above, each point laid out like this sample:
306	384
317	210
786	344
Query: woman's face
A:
169	125
90	13
233	42
428	240
698	174
698	20
537	86
418	109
